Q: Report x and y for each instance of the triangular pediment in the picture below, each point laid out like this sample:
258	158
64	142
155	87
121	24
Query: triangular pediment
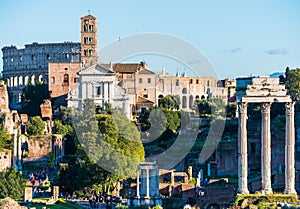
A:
96	70
146	71
90	17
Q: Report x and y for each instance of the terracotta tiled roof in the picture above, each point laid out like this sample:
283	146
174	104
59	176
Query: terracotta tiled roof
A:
146	71
126	68
142	100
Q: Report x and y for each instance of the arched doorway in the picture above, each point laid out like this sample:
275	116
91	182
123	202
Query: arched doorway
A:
184	102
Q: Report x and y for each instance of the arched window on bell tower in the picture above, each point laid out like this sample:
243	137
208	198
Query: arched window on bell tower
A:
66	80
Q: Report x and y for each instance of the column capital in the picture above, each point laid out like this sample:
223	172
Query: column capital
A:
243	107
289	108
265	107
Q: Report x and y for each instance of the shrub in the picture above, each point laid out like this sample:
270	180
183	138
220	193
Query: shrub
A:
35	126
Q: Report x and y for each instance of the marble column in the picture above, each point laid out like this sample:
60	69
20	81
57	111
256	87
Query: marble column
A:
15	156
138	183
147	183
19	154
266	148
289	150
242	149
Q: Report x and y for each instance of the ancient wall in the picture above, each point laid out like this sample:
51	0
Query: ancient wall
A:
5	159
39	147
226	157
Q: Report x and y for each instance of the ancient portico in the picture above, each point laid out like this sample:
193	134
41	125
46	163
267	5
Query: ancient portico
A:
266	90
147	190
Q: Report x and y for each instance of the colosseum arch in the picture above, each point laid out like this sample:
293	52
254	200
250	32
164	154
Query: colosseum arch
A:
32	79
11	81
26	79
41	78
20	80
15	81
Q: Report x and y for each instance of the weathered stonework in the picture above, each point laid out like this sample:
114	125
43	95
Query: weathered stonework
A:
30	64
5	159
266	90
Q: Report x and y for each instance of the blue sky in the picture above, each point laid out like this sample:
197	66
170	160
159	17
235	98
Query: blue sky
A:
240	38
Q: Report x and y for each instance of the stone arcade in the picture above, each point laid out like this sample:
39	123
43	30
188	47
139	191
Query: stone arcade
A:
266	90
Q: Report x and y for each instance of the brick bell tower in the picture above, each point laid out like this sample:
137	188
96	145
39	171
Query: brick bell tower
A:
89	40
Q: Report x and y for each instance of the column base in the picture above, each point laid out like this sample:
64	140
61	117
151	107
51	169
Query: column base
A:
267	191
243	191
290	191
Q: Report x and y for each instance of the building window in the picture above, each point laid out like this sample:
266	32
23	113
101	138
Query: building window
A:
208	83
98	90
66	79
145	95
86	28
91	28
197	81
143	110
184	91
12	59
52	79
149	80
86	40
177	82
48	57
32	57
191	81
91	40
76	80
21	58
91	52
66	68
140	80
85	52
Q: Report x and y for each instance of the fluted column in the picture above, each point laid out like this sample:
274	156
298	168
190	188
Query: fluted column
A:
147	183
19	153
242	149
266	148
15	156
289	150
138	183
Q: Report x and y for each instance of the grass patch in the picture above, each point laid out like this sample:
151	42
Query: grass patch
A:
264	201
61	204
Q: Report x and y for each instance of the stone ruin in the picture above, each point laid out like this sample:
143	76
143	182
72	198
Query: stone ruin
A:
266	90
46	111
5	159
9	203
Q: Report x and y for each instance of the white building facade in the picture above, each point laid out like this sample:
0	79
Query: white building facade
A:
99	83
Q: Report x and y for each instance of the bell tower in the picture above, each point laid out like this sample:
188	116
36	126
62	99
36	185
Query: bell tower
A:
89	40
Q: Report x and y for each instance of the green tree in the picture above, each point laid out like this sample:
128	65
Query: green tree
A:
292	83
35	126
213	106
60	128
171	102
5	140
33	96
109	144
203	107
231	110
12	184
